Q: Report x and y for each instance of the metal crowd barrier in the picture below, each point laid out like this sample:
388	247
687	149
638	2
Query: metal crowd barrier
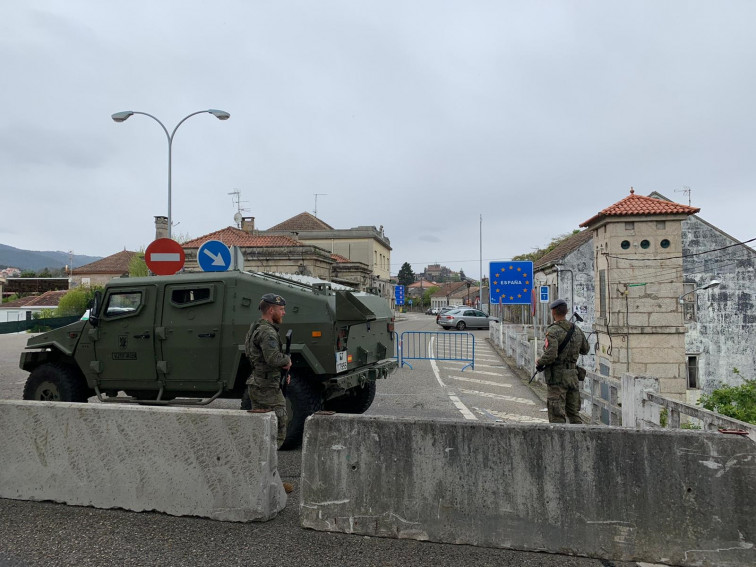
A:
437	345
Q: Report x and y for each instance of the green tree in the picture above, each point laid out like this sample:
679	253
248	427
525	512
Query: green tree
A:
137	266
76	301
738	402
406	276
28	274
540	252
427	295
462	276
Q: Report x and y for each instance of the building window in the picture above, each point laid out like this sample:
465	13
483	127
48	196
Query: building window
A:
645	244
602	293
664	243
629	226
86	282
689	307
625	244
693	372
661	225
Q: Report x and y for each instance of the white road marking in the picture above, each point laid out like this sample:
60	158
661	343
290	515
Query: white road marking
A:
462	408
450	369
466	413
499	397
485	382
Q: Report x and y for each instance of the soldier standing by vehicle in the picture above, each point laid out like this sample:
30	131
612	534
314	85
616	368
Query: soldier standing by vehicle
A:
265	353
565	342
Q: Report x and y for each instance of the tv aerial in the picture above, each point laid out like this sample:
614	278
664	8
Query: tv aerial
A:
236	200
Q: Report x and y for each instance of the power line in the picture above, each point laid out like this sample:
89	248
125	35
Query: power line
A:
683	256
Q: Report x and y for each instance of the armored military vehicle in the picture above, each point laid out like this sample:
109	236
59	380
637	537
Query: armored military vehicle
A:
180	340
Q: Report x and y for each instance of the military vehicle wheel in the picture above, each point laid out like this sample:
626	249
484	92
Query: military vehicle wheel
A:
303	398
55	383
461	326
356	400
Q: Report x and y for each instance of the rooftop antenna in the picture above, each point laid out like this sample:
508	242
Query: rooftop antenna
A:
236	200
315	212
685	190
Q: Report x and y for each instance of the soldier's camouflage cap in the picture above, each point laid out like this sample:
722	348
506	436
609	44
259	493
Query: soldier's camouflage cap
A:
273	299
556	303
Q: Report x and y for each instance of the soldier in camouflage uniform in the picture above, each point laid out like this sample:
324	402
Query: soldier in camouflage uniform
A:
265	353
563	397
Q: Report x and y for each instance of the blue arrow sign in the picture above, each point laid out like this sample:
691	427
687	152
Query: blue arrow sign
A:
544	294
511	282
399	293
214	256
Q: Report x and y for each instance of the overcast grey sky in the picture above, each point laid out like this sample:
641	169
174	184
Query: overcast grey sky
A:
416	115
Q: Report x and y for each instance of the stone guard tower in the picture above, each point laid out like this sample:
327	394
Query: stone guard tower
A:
638	280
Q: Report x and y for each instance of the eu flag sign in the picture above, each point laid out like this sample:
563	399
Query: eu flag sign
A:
511	282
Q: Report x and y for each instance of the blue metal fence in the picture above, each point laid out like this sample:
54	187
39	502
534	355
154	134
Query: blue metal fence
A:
437	345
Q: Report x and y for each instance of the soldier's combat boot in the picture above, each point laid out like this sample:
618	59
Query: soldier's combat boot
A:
288	487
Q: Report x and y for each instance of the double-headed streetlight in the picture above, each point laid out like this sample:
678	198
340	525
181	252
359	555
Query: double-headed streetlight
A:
122	116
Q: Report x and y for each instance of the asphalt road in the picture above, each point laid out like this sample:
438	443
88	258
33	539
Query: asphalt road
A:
45	533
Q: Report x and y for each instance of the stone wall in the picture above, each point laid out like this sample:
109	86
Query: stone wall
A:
722	332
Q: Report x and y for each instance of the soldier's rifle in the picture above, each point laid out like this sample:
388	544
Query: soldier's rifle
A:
575	316
285	373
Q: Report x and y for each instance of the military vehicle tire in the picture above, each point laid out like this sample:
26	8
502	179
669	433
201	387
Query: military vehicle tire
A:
55	383
356	400
303	398
461	326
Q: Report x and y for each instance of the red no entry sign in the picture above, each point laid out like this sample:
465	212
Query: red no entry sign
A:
164	257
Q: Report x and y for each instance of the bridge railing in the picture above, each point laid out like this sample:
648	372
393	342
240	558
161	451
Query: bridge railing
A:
644	407
515	342
601	398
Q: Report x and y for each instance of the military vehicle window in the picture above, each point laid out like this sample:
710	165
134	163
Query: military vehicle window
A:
191	296
123	303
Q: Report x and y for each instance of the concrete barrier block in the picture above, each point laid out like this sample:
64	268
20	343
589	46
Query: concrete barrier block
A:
679	497
219	464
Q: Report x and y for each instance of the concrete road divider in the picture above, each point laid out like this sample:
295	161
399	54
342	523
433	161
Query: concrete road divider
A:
679	497
219	464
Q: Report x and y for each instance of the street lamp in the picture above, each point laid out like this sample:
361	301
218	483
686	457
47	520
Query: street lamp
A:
126	114
711	284
468	283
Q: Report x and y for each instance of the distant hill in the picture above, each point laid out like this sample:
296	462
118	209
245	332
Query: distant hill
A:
31	260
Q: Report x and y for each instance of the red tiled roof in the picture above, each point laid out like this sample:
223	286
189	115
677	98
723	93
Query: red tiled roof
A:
449	289
570	245
302	222
117	263
635	205
232	236
339	258
47	299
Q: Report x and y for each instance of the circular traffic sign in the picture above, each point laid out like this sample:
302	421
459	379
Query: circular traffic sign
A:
214	256
164	257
